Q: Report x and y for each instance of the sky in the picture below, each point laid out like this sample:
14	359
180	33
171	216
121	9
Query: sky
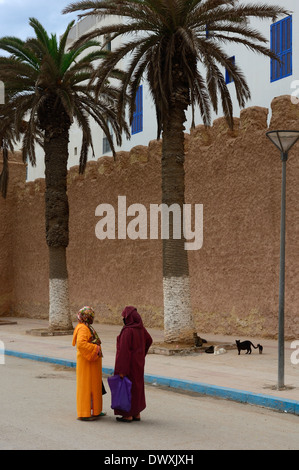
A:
15	14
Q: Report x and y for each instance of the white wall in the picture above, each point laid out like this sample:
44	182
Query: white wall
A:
256	69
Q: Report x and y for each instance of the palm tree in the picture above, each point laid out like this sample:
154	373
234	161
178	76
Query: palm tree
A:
166	42
45	86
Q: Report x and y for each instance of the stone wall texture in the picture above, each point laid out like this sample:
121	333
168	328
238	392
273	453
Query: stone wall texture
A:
234	277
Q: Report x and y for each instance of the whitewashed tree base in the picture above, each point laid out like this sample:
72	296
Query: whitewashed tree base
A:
178	319
59	315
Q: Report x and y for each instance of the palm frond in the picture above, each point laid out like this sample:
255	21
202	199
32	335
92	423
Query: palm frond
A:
43	81
170	40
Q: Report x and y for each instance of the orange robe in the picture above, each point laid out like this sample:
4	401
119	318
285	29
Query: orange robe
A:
89	373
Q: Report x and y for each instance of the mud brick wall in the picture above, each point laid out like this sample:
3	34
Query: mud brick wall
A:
110	274
236	175
7	206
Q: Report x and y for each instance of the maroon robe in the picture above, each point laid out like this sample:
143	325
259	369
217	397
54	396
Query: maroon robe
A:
132	346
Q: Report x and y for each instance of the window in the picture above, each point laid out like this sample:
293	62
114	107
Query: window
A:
228	77
106	145
207	31
281	44
108	43
137	124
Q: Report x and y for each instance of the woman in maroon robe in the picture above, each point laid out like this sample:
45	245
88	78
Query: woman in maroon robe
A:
132	346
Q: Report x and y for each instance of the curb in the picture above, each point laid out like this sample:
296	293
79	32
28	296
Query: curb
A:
241	396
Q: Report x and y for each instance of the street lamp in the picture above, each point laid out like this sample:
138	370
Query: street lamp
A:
283	140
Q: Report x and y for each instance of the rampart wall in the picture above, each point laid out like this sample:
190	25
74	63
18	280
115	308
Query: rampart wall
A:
236	175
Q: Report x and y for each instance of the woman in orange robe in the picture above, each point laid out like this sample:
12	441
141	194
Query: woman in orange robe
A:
89	367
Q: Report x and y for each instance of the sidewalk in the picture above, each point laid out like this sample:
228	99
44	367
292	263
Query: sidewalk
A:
245	378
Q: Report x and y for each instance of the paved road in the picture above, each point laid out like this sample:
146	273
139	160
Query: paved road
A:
38	411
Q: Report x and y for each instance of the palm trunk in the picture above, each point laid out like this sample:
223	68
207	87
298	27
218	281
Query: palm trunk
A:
59	313
57	221
178	320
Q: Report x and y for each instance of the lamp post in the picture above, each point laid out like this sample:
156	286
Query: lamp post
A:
283	140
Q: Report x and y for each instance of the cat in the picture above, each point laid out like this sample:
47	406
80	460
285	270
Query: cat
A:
260	348
246	345
198	340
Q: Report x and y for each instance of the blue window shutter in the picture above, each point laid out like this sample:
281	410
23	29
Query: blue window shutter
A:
207	31
137	123
281	43
228	77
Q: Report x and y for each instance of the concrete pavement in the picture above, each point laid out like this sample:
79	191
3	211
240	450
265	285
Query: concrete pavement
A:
246	378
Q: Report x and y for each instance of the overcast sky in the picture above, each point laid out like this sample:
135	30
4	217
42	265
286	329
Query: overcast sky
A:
15	14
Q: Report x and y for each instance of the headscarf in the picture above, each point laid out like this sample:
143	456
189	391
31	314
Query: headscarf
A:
132	318
86	316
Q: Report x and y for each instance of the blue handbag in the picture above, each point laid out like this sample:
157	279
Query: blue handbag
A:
120	393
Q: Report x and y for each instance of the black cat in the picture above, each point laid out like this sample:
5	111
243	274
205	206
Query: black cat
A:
246	345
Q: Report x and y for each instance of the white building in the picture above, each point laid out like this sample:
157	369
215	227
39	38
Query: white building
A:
266	80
